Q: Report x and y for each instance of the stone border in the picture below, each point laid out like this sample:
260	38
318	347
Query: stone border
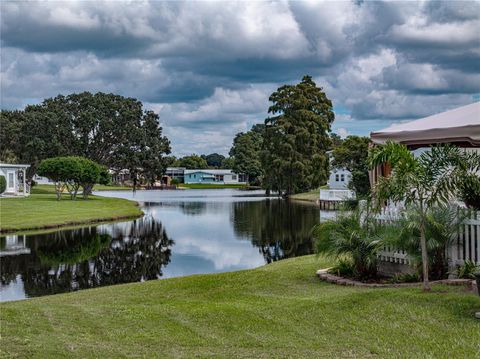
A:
334	279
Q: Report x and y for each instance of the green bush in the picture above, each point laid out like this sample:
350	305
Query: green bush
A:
467	270
72	173
175	181
343	268
3	184
441	224
355	235
405	278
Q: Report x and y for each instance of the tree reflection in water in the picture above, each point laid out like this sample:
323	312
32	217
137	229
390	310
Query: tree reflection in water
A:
90	257
279	228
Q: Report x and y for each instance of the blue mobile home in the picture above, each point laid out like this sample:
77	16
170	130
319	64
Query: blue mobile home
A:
213	176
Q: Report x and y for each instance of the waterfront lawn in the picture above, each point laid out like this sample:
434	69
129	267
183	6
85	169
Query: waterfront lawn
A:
42	210
311	196
46	188
211	185
277	311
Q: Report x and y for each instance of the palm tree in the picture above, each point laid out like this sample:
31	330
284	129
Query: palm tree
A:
355	235
442	223
419	182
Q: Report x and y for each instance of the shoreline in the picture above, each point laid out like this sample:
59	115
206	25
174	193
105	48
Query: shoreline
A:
42	212
67	225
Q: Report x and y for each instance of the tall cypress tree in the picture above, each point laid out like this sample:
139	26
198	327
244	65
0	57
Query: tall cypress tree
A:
297	138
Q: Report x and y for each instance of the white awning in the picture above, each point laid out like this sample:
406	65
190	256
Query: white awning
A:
460	125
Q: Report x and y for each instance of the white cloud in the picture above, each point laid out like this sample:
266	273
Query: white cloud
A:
209	67
342	132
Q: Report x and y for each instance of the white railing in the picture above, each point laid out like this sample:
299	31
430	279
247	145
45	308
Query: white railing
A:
336	194
390	213
466	245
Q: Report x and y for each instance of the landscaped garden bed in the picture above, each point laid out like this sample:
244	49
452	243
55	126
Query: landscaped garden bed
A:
324	275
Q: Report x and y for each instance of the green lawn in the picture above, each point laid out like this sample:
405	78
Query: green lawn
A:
311	196
42	210
210	185
277	311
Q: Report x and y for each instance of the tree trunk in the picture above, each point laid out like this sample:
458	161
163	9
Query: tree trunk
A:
58	190
423	245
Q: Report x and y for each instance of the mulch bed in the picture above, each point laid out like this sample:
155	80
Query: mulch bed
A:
334	279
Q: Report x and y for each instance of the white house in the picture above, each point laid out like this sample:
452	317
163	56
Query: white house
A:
337	185
15	176
339	178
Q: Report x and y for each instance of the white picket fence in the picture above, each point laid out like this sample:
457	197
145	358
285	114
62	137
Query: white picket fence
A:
466	245
387	214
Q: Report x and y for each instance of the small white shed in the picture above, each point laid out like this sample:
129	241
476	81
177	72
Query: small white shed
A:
15	176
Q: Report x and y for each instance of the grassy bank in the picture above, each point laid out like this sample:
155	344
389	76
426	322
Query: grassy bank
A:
42	210
279	310
210	185
311	196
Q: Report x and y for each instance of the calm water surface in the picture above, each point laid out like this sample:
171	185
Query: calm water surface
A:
182	233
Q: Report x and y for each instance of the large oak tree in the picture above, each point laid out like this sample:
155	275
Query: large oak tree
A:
110	129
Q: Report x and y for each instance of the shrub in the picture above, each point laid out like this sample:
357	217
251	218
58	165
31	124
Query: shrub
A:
65	171
175	181
441	224
3	184
467	270
91	173
343	268
405	278
354	235
72	173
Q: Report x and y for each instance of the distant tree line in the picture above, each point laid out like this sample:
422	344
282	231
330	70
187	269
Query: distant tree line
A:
193	161
287	153
112	130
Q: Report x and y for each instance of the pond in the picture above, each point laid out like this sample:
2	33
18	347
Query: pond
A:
182	233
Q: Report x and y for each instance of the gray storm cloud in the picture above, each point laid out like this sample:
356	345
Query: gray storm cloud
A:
208	67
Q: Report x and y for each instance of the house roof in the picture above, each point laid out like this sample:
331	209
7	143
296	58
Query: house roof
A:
460	125
13	165
209	171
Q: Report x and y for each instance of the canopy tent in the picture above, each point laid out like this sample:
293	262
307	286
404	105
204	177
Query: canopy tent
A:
460	126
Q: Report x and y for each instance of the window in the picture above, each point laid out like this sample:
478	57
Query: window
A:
234	177
194	176
337	178
342	177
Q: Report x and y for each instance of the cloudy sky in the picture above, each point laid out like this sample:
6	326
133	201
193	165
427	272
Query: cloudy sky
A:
208	67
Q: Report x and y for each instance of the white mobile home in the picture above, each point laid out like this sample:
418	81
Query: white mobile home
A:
15	176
